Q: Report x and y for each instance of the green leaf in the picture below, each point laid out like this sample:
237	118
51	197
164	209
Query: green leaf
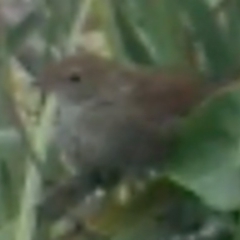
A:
129	38
219	55
7	232
154	26
58	26
20	33
30	225
233	29
11	172
220	189
205	157
12	151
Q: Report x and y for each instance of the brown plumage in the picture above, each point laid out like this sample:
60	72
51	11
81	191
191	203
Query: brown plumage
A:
118	119
162	93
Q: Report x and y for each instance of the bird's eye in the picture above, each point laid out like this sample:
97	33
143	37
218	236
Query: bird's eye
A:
75	77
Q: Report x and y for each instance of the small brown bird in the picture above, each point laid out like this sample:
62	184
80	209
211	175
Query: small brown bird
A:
116	119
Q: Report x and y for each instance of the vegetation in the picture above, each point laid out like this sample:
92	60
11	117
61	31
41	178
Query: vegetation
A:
199	197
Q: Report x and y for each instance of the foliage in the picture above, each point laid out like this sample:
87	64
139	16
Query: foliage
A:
198	197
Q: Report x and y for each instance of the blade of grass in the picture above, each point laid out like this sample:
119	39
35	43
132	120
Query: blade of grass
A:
220	58
27	228
159	28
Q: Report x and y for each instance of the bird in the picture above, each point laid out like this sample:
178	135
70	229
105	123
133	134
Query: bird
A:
116	119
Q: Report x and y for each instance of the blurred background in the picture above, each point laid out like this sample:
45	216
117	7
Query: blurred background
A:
199	199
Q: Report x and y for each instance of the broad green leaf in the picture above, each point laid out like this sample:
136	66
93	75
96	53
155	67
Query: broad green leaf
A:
220	189
207	151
